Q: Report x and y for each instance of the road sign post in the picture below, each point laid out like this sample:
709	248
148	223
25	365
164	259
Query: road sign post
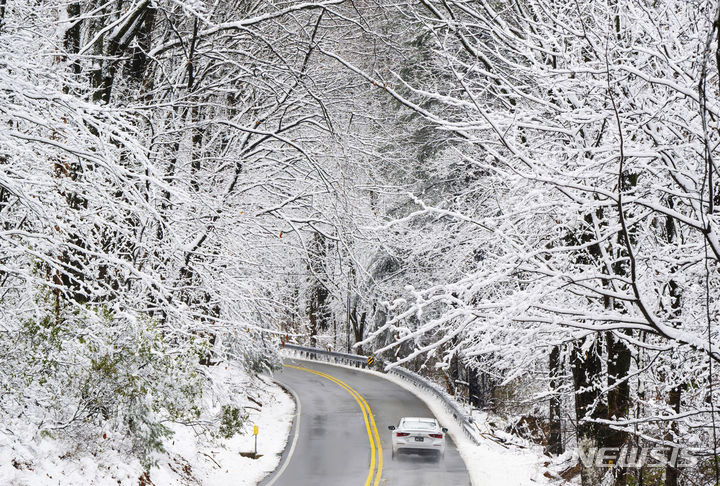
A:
256	429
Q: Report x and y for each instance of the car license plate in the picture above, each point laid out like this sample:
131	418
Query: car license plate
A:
418	439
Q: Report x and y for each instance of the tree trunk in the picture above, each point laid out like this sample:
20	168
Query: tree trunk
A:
140	61
358	327
671	472
586	368
72	36
318	310
619	358
675	292
555	444
2	12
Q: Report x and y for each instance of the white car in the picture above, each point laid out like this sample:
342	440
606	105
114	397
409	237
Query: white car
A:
419	435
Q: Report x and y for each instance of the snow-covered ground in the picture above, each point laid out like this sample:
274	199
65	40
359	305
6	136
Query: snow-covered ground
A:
223	465
192	457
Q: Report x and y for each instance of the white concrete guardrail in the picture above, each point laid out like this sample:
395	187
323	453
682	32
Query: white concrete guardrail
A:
464	420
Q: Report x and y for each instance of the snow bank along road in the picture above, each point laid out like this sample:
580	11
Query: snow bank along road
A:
341	434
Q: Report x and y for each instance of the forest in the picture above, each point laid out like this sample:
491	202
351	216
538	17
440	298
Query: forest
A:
519	199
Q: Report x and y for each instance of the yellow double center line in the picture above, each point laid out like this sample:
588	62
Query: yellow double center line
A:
376	456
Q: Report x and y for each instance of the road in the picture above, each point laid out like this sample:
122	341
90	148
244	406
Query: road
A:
333	440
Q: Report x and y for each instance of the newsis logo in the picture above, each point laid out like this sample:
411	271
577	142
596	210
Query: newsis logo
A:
634	457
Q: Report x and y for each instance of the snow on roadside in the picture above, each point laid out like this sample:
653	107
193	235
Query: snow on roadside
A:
49	462
489	464
220	464
192	457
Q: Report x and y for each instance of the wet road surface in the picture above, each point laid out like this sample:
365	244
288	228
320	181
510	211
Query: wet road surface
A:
332	446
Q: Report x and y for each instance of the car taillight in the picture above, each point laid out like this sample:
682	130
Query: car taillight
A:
436	436
401	434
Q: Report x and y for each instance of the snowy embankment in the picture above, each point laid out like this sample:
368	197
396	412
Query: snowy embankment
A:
192	457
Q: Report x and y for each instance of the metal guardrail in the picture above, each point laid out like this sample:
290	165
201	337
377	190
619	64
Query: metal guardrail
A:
331	356
463	419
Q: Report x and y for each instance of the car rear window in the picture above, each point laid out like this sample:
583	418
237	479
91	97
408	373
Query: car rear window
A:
418	424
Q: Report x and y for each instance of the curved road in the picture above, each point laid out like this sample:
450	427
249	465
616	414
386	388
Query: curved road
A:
333	445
